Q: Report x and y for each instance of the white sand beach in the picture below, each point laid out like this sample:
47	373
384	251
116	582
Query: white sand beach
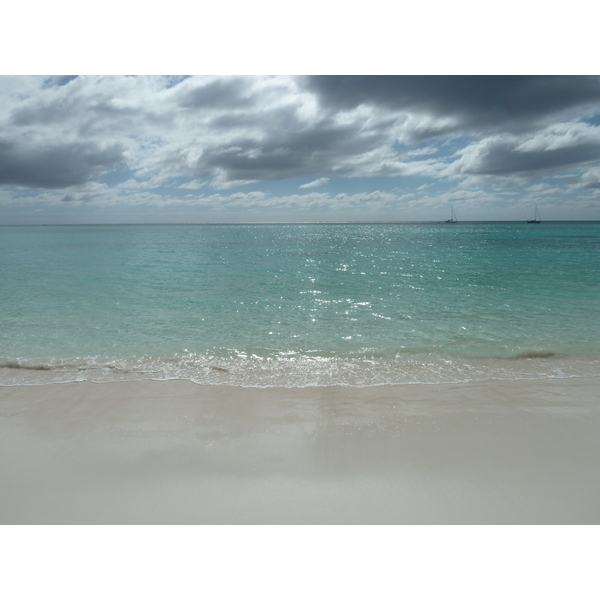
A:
173	452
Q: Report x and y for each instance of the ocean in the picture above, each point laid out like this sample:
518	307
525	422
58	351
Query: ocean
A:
296	305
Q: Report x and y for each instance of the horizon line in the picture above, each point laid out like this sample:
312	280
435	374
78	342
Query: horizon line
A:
208	223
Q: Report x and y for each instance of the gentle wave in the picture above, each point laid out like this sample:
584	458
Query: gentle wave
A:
302	371
18	365
535	354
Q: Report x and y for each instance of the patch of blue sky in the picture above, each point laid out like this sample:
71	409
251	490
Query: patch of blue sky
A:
182	186
334	185
365	185
451	145
281	187
407	151
435	148
24	192
58	80
595	120
173	80
120	174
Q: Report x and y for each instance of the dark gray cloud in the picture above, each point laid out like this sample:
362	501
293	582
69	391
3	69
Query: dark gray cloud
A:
56	166
510	103
503	159
237	120
286	147
60	111
297	151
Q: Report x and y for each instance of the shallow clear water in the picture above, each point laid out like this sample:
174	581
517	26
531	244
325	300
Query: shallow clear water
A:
355	304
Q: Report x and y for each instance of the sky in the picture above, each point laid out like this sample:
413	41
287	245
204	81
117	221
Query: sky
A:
201	149
445	114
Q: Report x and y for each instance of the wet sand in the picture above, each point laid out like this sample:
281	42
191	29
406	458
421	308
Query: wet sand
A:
514	452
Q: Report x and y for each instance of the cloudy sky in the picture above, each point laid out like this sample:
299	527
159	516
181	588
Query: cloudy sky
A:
119	149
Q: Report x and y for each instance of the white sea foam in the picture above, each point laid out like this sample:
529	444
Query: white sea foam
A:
302	371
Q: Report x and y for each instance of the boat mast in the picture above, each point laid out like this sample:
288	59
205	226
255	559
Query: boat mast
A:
452	218
536	216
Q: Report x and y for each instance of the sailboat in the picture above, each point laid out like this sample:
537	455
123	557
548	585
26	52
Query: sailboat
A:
536	218
452	219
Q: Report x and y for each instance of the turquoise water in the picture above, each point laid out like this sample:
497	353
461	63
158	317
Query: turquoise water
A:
354	304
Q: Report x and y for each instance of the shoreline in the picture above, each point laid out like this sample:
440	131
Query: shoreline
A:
499	451
303	372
